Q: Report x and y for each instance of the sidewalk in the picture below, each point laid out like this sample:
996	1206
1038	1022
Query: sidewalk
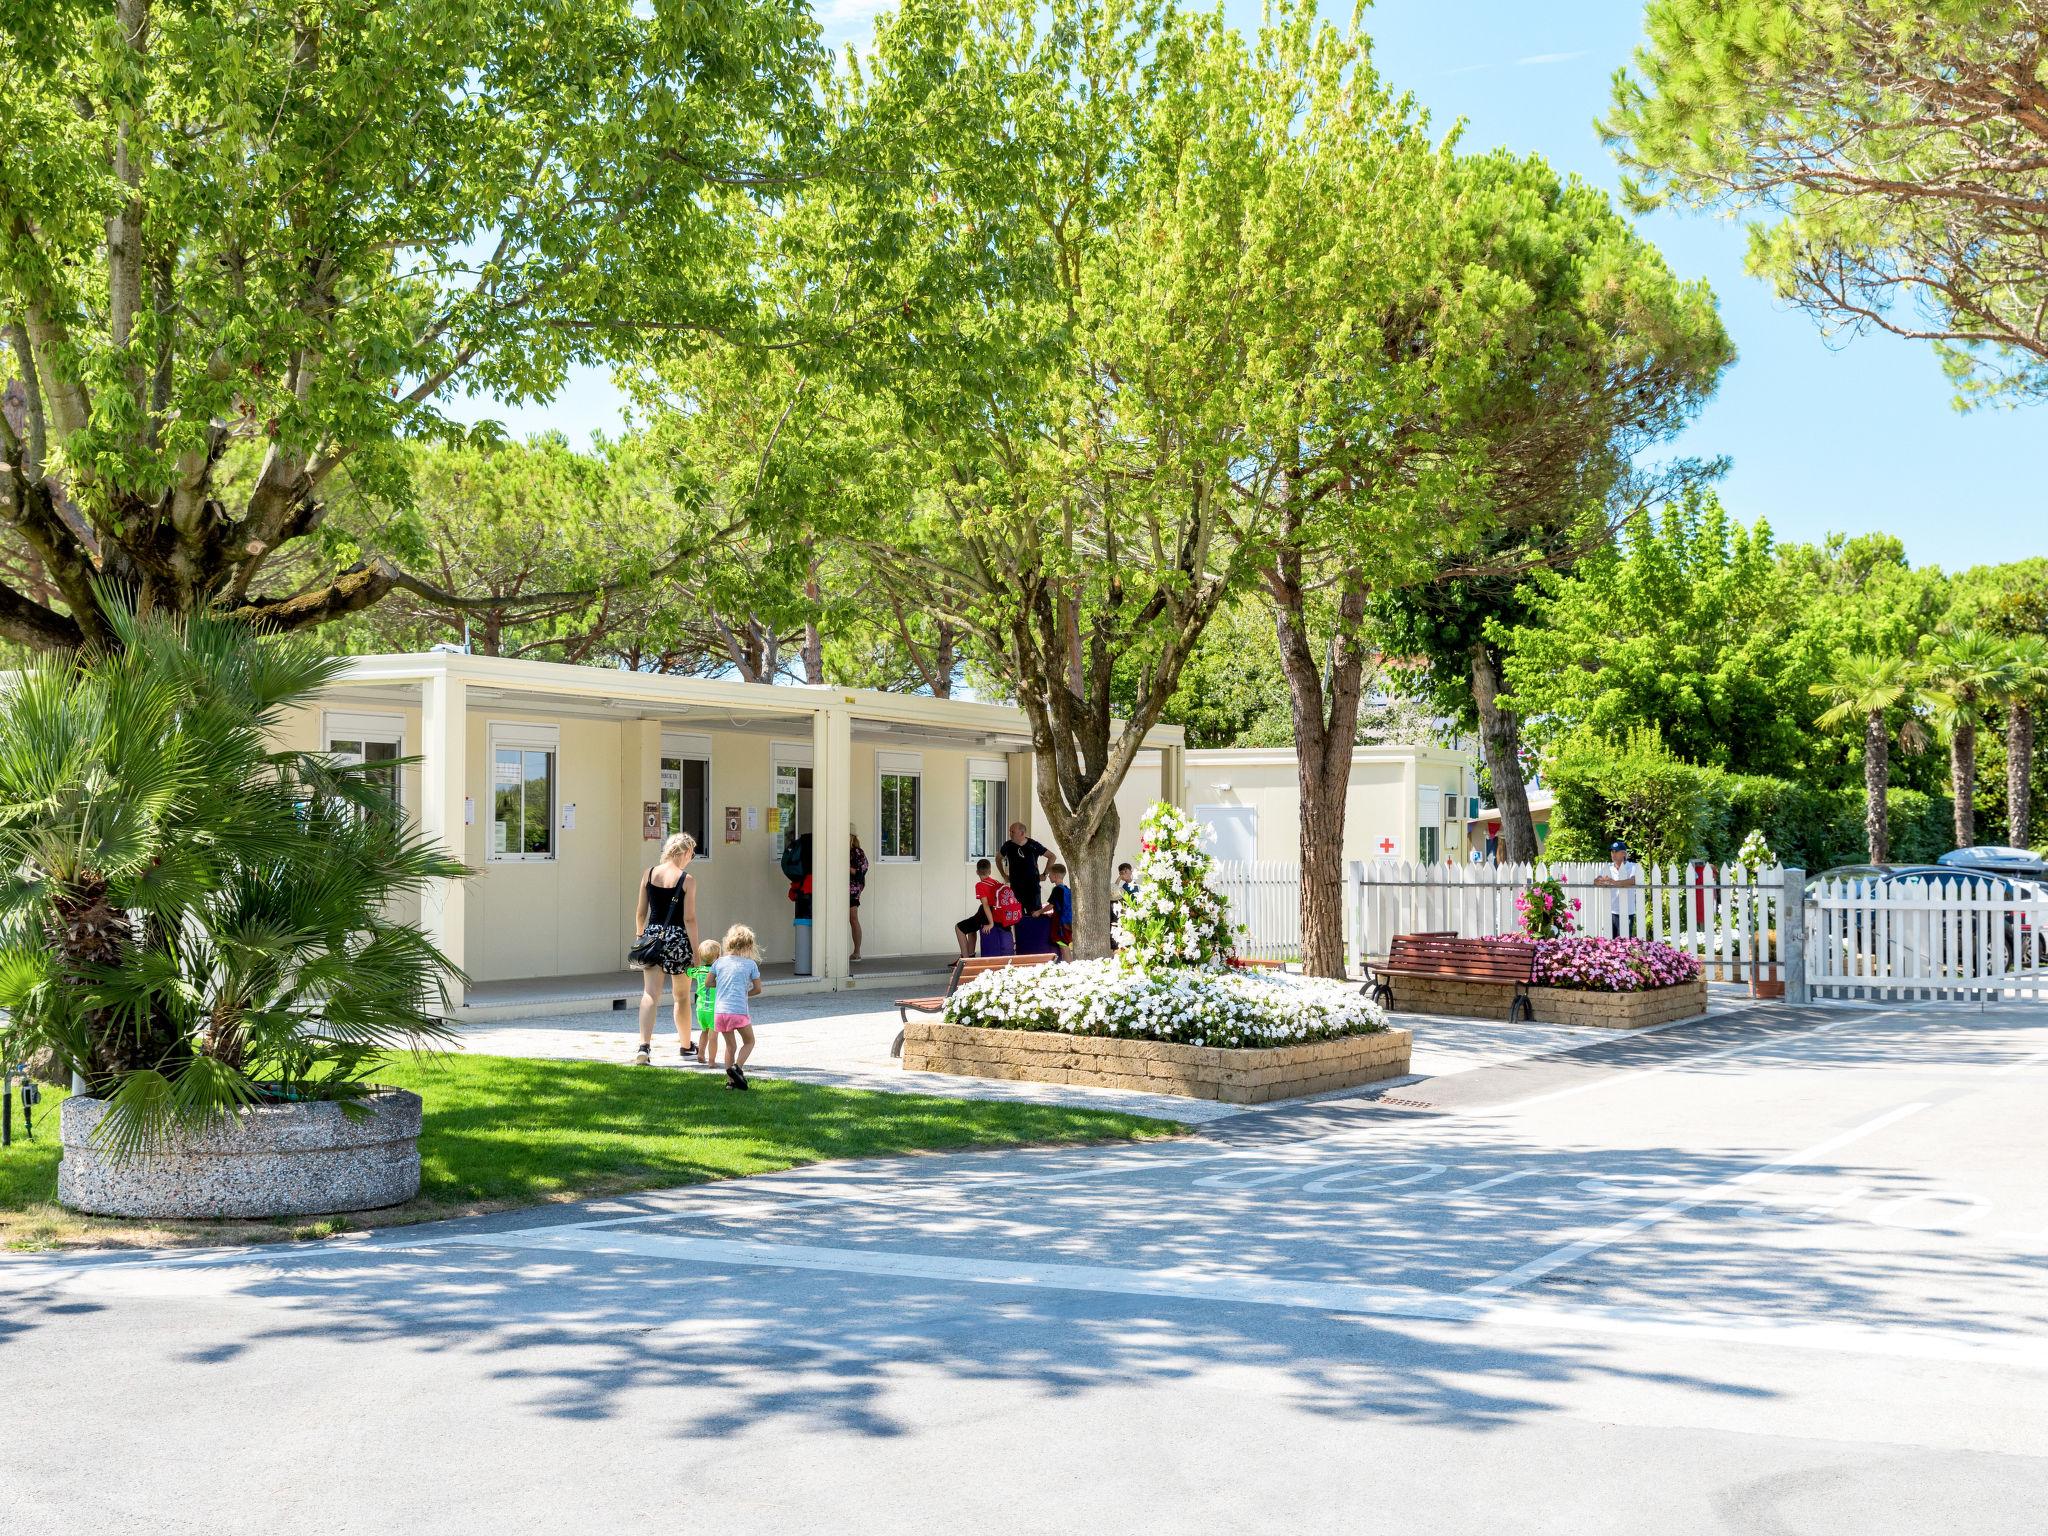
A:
842	1040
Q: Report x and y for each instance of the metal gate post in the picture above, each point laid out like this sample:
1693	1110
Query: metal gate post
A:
1792	934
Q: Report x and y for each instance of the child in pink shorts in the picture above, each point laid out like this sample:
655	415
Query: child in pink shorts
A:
736	978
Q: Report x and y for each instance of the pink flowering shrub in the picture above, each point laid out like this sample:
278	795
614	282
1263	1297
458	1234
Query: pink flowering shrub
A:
1587	964
1544	911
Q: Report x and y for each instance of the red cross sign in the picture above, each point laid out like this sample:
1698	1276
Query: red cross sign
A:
1386	845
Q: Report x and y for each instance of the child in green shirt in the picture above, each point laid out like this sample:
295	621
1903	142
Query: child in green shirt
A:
706	999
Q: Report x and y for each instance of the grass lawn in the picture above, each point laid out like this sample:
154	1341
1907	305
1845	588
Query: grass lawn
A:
504	1132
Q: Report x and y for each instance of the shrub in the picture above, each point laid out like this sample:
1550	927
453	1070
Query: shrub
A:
190	920
1174	918
1188	1005
1669	811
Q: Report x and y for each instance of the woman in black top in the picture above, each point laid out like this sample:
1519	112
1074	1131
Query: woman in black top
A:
666	921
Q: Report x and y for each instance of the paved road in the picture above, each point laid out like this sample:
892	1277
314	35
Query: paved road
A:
1777	1273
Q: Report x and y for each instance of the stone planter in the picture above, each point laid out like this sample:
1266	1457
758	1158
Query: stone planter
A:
1150	1066
1551	1005
273	1160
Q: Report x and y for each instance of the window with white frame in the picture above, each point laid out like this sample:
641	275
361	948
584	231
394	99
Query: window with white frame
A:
686	788
988	806
377	741
899	817
523	759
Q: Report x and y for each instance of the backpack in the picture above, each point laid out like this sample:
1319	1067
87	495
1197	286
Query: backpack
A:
793	859
1008	909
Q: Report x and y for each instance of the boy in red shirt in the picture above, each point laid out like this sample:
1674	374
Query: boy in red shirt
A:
968	929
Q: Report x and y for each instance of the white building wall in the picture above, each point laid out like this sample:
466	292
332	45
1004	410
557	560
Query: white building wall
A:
1383	803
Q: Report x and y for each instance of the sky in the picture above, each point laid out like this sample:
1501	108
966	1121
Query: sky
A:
1823	435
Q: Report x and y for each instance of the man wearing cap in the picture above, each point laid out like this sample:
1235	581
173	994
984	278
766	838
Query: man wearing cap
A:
1626	876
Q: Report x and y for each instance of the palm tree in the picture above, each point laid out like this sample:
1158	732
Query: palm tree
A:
1962	672
1869	688
2027	659
190	919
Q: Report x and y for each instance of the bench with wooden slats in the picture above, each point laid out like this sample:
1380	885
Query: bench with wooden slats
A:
965	970
1445	956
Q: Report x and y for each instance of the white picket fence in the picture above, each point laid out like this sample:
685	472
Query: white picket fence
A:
1265	898
1852	940
1964	940
1729	917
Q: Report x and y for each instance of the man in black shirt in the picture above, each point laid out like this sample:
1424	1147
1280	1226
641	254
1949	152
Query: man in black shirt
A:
1024	859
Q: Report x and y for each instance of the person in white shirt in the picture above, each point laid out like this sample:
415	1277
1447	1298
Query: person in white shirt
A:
1626	876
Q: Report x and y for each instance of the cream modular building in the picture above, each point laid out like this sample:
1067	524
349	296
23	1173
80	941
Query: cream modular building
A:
556	785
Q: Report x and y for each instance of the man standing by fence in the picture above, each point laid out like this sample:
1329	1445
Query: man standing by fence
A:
1625	876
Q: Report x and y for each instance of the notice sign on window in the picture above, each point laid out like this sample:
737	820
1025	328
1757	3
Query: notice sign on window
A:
500	839
732	823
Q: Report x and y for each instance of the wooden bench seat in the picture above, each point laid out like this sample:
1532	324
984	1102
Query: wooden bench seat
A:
1447	957
965	970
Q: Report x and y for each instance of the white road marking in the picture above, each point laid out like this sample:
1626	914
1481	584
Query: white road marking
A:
1333	1181
1572	1252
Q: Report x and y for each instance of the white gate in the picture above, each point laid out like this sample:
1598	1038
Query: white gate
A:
1265	898
1728	917
1959	939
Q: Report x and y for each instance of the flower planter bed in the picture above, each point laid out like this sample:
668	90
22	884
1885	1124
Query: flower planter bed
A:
273	1160
1256	1075
1553	1005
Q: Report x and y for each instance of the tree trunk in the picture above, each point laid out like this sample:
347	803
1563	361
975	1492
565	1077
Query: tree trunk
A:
1325	725
1500	736
1962	778
1876	787
2019	769
1090	858
814	638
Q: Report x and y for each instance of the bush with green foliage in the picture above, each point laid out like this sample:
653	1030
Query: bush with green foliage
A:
192	920
1668	810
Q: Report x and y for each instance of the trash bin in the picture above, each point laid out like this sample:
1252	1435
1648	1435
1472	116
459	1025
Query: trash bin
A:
996	940
803	947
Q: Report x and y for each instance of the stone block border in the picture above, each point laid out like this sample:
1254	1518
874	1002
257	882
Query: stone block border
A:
1552	1005
1149	1066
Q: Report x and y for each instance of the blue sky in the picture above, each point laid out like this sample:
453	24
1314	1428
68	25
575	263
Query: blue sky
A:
1824	436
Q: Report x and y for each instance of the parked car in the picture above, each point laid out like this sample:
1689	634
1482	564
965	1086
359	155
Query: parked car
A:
1997	860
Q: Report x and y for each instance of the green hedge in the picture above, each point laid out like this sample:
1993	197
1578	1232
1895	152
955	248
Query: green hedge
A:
1668	810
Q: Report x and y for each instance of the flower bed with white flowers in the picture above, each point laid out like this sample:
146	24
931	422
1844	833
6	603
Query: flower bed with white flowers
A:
1168	1013
1234	1009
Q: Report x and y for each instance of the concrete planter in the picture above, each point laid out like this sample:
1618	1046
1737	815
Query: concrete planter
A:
1552	1005
273	1160
1150	1066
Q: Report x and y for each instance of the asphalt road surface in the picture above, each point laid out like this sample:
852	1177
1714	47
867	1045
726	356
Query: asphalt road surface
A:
1780	1272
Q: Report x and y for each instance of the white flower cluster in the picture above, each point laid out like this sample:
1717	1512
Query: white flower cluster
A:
1184	1004
1174	918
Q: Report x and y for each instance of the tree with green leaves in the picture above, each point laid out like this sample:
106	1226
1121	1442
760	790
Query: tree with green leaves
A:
532	550
1962	672
2025	686
242	247
1893	149
1087	388
1870	691
1499	388
1689	622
